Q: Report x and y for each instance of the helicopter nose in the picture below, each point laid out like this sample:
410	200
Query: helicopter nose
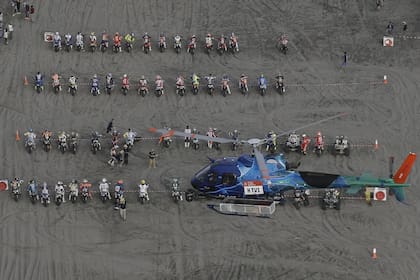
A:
195	183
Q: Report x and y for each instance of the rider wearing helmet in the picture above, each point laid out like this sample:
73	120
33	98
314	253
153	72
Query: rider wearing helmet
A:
234	42
162	40
73	186
33	188
262	81
57	39
59	190
130	137
143	187
104	188
85	186
105	38
117	41
125	81
45	194
143	84
243	82
92	39
30	136
79	40
95	85
195	79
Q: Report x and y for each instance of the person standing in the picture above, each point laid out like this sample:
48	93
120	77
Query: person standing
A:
152	159
404	26
10	29
6	36
345	59
125	162
17	6
123	207
27	10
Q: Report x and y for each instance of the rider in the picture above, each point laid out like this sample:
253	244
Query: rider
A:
79	40
46	134
272	140
129	39
104	188
30	137
73	186
72	82
234	41
162	40
109	81
85	185
262	82
33	188
57	40
118	190
115	137
39	79
180	82
243	82
280	80
68	37
45	192
146	39
222	42
15	184
209	41
177	40
62	137
195	80
319	140
92	39
159	83
210	133
192	44
187	139
143	84
56	81
143	187
125	82
210	79
130	137
59	190
73	136
95	85
305	143
117	41
105	39
225	82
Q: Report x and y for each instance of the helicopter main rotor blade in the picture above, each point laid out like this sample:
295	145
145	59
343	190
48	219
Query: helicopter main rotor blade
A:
261	163
165	131
311	124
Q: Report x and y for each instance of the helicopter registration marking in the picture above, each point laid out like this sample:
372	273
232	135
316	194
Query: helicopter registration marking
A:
253	187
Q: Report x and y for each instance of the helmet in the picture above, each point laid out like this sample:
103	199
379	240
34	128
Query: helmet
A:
116	33
233	34
78	33
303	135
39	73
132	34
262	76
103	180
125	75
242	75
193	36
142	182
142	77
30	130
158	77
95	76
110	75
74	181
85	181
208	35
145	34
59	183
129	129
56	33
319	133
93	33
120	181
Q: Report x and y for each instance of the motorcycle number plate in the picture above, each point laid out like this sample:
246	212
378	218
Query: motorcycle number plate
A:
253	188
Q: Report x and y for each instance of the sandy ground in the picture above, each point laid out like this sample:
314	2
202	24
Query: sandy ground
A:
162	240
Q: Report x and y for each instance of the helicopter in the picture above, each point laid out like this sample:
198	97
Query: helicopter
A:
258	176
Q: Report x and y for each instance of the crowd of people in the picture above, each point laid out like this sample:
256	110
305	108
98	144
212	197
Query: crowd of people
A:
143	84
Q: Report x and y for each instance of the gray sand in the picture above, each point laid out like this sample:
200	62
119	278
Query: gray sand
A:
162	240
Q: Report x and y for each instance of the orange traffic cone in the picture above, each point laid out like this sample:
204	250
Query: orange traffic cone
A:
376	146
25	81
17	135
374	256
385	79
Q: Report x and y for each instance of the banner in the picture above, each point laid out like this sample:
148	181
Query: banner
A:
253	187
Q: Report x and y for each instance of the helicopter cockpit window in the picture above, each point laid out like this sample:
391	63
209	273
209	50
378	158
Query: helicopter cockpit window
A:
229	179
211	177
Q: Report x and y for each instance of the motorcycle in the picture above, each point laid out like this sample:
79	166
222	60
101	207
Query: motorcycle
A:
301	198
16	190
62	145
57	46
104	196
33	197
85	194
46	141
142	91
222	47
233	46
177	43
93	47
109	85
176	194
79	46
191	47
104	46
243	86
271	146
167	141
30	146
72	89
195	87
124	89
69	45
95	146
147	46
45	199
159	90
94	90
56	86
225	90
235	137
59	198
117	48
319	144
331	200
263	89
283	41
39	86
280	87
180	89
162	46
210	88
195	143
209	45
128	46
73	146
73	196
143	197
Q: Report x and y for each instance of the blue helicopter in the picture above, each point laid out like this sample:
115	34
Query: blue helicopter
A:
259	176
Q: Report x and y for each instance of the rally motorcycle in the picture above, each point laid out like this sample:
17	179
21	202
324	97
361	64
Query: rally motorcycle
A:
62	145
142	90
73	145
177	43
143	197
162	44
30	145
180	89
59	198
95	145
124	89
73	89
46	141
39	87
104	196
109	85
301	197
176	193
104	46
16	189
85	194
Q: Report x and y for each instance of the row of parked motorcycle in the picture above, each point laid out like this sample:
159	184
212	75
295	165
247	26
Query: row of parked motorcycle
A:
223	43
331	199
83	191
143	84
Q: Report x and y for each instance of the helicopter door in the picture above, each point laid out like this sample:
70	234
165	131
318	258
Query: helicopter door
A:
229	179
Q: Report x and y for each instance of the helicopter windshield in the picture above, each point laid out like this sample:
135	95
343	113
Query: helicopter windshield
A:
202	174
